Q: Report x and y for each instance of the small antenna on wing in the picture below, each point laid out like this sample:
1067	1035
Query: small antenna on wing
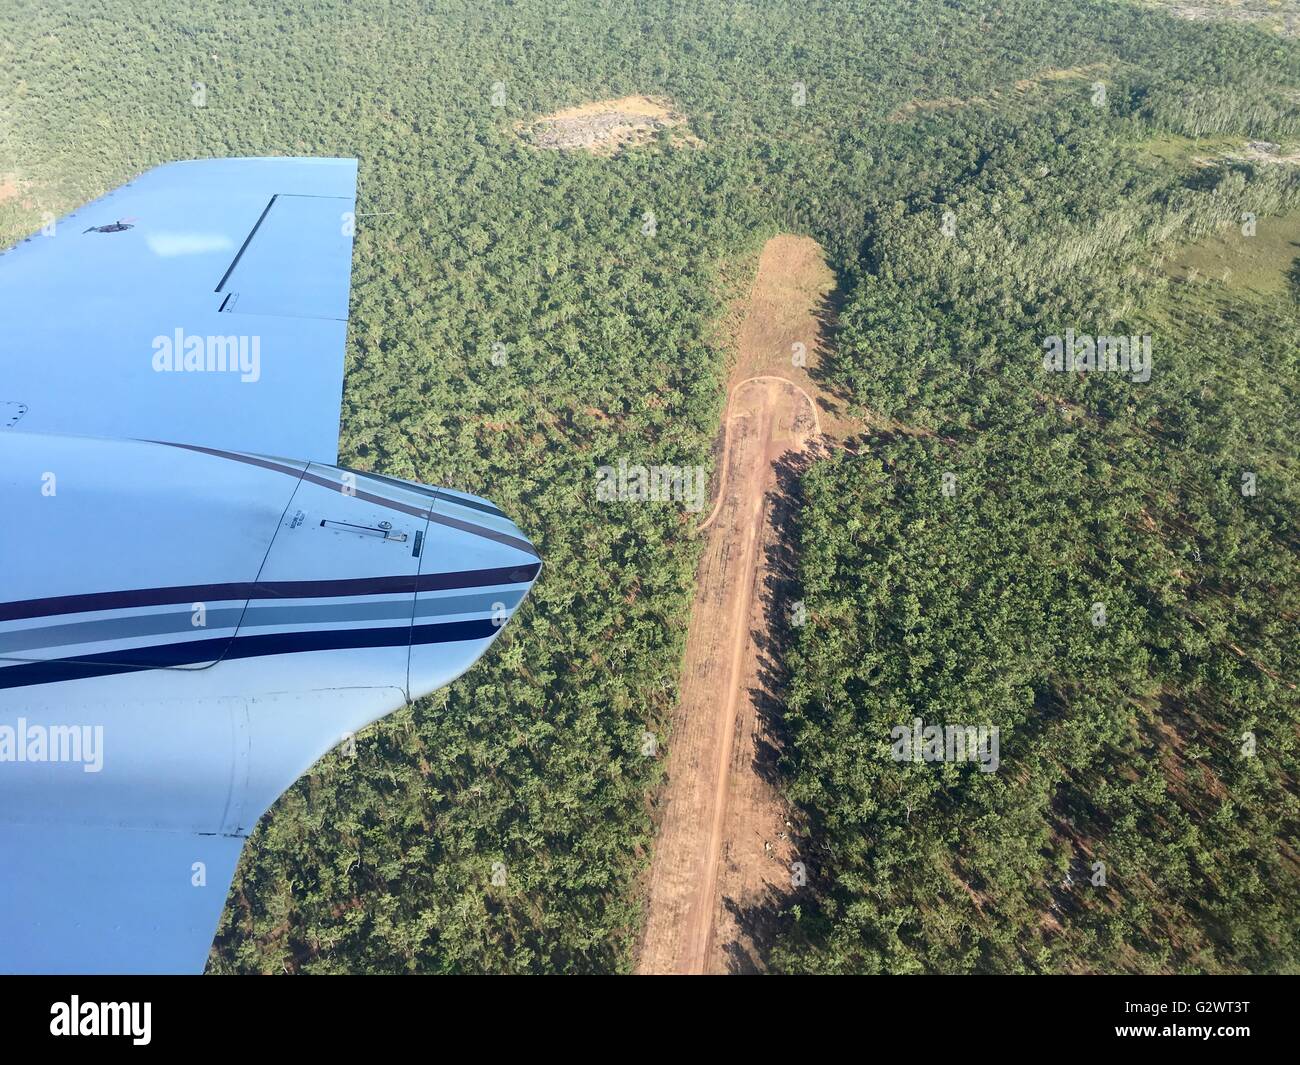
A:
116	227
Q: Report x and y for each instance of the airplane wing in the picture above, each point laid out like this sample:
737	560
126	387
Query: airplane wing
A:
187	623
204	302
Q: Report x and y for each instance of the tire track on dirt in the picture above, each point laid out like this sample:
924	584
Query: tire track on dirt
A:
719	816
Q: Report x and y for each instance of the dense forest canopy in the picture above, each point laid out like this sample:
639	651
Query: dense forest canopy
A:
984	175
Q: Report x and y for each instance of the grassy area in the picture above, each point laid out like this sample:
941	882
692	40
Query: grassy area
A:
1259	263
1177	149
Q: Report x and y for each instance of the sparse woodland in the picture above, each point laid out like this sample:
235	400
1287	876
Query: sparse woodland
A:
522	317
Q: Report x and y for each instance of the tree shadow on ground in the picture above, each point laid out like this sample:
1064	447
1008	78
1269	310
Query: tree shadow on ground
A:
760	919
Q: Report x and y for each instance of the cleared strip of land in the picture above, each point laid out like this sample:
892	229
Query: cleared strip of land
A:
722	858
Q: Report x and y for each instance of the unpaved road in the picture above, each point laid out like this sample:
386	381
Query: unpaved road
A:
720	854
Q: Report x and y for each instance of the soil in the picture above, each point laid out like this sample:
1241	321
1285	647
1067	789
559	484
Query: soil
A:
721	873
604	127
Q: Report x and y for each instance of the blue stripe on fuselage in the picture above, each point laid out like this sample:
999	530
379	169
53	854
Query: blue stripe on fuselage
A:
275	643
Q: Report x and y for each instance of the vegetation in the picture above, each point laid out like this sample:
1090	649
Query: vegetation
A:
1110	580
1072	489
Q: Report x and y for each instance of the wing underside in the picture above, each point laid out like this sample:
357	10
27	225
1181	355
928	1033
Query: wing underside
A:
157	897
204	302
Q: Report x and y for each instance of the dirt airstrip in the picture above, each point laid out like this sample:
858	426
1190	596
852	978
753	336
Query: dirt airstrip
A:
722	864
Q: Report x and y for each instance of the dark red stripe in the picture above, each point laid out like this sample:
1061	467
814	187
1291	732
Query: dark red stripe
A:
215	593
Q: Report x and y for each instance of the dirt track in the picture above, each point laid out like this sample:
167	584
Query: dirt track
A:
722	856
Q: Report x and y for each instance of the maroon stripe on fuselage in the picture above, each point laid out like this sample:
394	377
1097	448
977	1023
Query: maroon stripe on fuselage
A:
216	593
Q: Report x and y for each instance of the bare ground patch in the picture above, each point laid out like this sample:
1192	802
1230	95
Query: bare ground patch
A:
721	873
605	127
1280	16
1267	152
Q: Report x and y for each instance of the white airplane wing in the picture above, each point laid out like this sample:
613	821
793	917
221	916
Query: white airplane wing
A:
186	623
204	302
